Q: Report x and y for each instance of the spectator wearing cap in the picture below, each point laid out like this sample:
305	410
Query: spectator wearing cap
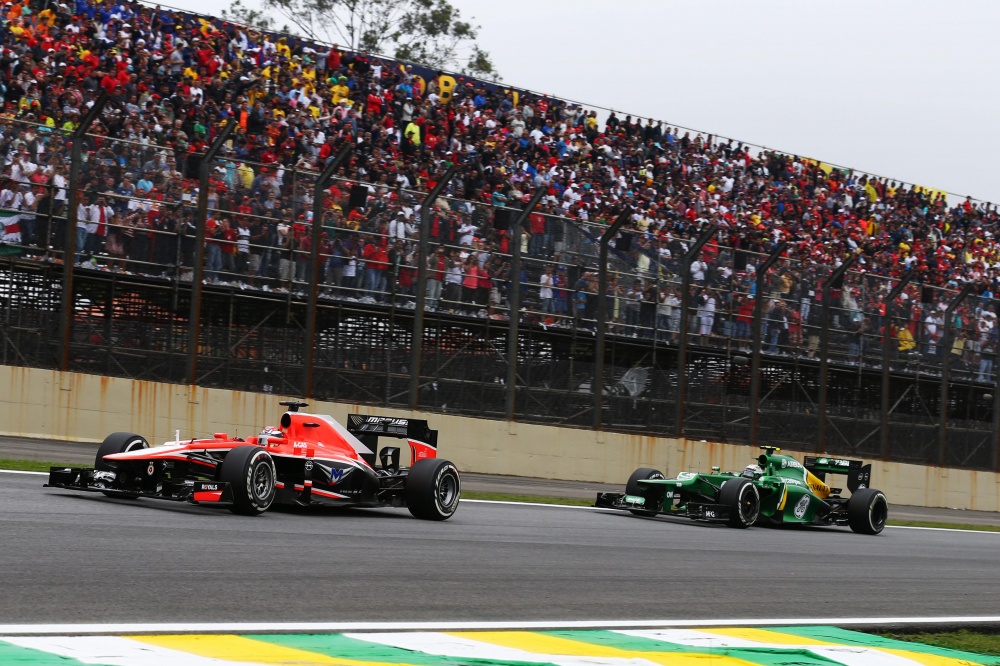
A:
589	170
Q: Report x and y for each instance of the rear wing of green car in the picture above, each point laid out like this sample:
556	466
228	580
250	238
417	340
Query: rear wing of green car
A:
859	475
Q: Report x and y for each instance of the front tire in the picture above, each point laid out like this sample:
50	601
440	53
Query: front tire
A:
117	442
867	511
250	473
743	500
633	487
433	488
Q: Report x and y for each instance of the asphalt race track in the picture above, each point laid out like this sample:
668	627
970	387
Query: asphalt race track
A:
71	557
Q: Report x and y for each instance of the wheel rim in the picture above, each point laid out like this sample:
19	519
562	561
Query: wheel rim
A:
263	481
447	491
749	505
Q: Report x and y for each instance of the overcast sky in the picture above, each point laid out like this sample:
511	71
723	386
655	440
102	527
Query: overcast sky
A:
901	88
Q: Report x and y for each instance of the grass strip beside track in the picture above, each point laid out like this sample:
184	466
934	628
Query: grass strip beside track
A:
944	526
32	465
530	499
964	639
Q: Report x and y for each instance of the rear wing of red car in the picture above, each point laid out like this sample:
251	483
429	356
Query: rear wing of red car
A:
859	475
390	426
416	431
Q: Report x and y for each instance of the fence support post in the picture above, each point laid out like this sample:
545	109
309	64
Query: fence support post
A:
824	343
758	316
69	242
887	357
198	270
946	372
416	337
514	298
996	401
597	381
314	260
685	322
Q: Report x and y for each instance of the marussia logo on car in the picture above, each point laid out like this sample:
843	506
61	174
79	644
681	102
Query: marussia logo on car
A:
386	420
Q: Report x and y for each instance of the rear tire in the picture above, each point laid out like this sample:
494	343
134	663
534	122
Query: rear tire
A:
250	473
867	511
633	487
743	500
433	488
117	442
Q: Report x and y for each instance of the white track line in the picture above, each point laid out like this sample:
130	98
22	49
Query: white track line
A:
594	508
512	503
115	651
939	529
347	627
847	655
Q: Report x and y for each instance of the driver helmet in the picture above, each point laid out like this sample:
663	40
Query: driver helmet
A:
270	432
752	471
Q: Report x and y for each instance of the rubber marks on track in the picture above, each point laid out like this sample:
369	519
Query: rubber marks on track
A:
799	646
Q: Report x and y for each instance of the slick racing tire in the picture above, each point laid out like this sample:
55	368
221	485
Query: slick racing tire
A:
117	442
743	500
867	511
634	488
433	488
249	471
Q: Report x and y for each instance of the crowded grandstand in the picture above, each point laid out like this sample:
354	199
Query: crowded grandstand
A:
174	79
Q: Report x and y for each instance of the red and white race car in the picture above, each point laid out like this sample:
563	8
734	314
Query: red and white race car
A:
309	459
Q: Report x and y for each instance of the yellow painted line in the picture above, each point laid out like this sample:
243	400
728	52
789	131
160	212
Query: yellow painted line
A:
765	636
555	646
238	648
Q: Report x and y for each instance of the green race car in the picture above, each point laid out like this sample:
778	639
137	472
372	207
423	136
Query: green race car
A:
778	489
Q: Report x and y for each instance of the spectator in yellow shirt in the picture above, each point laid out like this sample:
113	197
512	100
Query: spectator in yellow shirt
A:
246	175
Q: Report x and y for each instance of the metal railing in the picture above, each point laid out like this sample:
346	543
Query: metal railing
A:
136	242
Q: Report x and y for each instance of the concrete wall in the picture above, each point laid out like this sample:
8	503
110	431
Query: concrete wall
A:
76	407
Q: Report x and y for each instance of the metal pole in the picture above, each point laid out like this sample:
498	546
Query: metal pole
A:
597	383
416	338
682	340
946	372
69	242
887	357
824	344
514	298
319	187
758	316
996	401
201	215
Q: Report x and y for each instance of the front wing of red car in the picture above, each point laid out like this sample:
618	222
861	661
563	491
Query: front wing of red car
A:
216	493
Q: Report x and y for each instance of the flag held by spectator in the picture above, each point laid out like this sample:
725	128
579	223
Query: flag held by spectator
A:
10	228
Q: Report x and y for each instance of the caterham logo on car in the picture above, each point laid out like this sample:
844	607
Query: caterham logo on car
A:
801	507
